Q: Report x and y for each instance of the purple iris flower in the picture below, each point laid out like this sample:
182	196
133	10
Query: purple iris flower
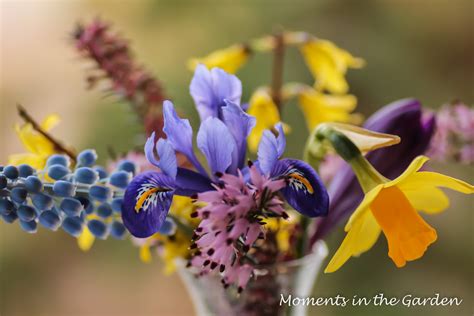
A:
403	118
222	139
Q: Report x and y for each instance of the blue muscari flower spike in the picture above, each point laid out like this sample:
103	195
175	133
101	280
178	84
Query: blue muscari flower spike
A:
222	139
27	195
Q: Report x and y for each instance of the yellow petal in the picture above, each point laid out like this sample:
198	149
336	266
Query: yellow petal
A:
408	235
439	180
262	107
229	59
363	207
365	139
50	122
328	64
35	161
415	165
319	108
85	240
360	238
426	198
145	254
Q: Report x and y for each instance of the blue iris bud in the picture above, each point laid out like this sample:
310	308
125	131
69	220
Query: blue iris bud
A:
26	213
71	206
120	179
101	172
42	201
18	194
128	166
87	158
25	170
117	205
33	184
85	175
10	217
3	181
6	206
104	210
64	188
168	227
100	193
11	172
57	159
50	220
29	227
97	228
73	226
117	230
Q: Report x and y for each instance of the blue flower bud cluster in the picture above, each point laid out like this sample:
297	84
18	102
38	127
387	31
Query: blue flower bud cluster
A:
66	197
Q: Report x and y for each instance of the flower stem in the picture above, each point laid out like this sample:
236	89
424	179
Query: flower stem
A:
277	74
57	144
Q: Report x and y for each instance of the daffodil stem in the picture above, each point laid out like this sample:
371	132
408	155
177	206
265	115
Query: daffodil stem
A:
57	144
186	229
277	74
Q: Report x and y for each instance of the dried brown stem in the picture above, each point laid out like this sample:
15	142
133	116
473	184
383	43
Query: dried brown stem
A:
277	74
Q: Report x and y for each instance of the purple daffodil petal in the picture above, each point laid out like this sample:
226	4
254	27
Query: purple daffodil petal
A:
210	88
304	191
180	134
216	143
270	149
150	150
146	203
167	155
189	182
239	124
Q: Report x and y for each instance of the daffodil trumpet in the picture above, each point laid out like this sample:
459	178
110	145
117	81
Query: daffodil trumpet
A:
389	206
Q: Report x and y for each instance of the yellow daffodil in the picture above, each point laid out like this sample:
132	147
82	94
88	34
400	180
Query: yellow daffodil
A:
39	147
85	239
318	107
284	230
391	207
262	107
328	64
229	59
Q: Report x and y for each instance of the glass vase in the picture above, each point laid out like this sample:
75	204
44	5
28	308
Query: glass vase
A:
263	294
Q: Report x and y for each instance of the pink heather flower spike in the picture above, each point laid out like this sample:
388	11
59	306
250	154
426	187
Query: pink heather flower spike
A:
129	80
232	223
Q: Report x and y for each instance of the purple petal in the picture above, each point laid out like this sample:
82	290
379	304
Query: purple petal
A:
270	149
180	134
402	118
304	191
146	203
150	150
216	143
210	88
167	156
189	182
239	124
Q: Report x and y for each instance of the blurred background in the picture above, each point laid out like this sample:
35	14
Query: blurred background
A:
421	49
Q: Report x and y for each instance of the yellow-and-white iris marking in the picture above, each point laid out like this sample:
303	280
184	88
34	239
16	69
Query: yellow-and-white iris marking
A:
298	181
148	195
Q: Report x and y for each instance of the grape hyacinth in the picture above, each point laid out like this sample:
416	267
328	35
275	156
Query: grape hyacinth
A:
63	196
232	221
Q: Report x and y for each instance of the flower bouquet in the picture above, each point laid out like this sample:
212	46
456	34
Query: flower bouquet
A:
242	223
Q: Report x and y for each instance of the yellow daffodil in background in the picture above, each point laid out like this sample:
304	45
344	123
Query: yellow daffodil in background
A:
229	59
328	64
39	147
262	107
85	239
391	207
284	230
318	107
